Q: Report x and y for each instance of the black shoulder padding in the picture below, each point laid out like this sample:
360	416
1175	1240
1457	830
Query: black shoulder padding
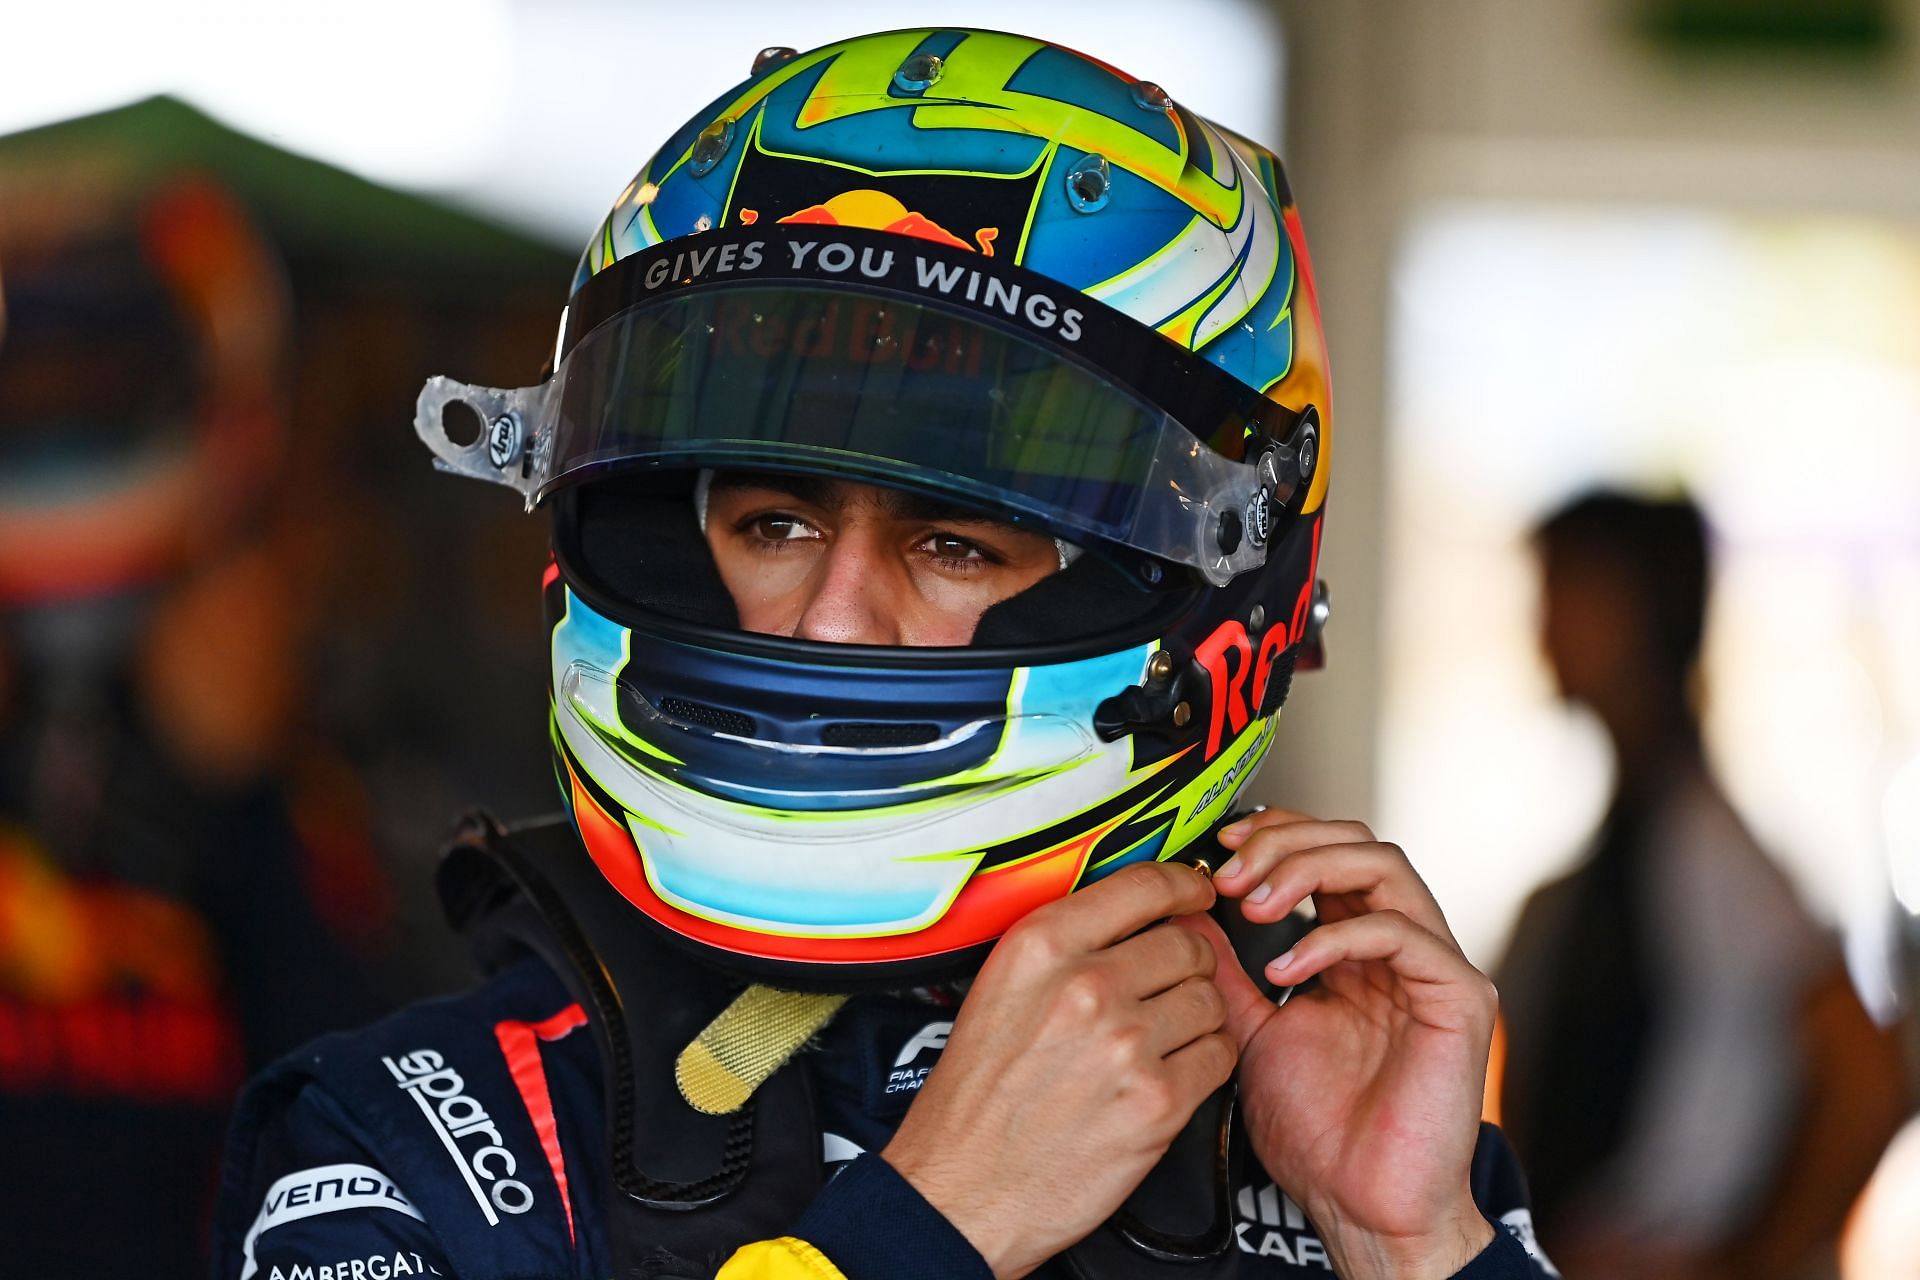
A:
1089	597
688	1189
636	539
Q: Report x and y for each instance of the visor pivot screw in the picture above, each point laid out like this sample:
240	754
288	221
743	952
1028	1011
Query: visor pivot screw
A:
711	147
919	73
773	56
1150	572
1089	184
1256	619
1231	531
1160	665
1182	714
504	441
1204	867
1149	96
1305	444
1273	493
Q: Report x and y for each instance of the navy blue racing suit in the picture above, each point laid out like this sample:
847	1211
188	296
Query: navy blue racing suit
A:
465	1137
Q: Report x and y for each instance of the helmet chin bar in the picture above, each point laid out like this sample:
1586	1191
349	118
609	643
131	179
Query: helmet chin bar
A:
1019	746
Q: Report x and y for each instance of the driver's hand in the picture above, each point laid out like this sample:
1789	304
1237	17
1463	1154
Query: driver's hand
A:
1362	1096
1090	1037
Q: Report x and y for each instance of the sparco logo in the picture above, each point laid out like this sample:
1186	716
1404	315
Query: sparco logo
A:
458	1119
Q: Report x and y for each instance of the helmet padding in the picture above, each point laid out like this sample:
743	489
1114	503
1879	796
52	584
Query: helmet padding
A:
636	539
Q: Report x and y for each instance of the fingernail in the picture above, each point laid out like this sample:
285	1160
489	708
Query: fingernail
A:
1260	894
1231	867
1234	831
1279	964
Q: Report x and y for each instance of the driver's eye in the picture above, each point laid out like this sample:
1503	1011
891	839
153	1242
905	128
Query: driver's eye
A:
778	528
950	547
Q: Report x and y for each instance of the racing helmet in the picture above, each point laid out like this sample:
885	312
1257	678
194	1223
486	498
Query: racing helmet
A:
967	264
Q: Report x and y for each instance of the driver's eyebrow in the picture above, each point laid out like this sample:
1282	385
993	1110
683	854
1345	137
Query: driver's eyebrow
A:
833	495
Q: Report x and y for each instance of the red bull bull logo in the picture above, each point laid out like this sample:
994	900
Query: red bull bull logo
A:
881	212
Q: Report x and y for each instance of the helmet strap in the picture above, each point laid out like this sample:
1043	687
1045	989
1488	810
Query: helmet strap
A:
751	1039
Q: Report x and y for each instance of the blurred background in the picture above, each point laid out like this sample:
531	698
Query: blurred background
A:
255	656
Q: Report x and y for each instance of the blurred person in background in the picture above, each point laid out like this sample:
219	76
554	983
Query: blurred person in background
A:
183	882
1690	1078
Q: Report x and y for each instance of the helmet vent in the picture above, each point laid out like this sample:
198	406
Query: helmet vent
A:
877	733
719	719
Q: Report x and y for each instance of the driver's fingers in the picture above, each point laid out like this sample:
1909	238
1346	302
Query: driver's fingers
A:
1161	957
1177	1017
1205	1063
1247	1008
1439	987
1121	905
1280	867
